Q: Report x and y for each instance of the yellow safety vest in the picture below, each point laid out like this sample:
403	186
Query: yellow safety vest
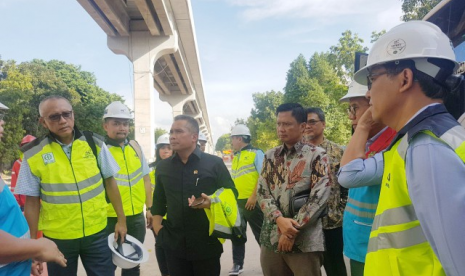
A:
129	179
152	179
397	243
244	173
72	191
225	221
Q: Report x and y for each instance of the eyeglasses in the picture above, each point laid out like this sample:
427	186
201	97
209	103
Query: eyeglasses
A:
352	110
313	122
57	117
371	78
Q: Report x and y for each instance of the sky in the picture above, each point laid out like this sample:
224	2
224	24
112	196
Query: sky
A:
245	46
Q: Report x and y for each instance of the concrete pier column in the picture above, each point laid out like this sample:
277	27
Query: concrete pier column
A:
143	49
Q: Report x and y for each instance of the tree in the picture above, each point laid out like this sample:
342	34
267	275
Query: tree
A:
342	55
23	86
159	132
223	143
417	9
376	35
262	121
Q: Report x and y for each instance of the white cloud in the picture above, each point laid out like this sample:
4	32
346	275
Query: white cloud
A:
323	11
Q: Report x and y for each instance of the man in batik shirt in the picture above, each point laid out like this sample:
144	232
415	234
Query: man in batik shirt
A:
292	244
332	223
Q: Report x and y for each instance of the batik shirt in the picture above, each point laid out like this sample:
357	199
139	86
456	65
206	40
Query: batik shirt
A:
338	197
287	172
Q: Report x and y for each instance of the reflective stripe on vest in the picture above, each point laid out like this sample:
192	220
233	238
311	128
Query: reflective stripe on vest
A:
397	244
129	179
72	191
223	215
244	173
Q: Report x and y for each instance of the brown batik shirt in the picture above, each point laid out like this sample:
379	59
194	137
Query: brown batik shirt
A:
287	172
338	197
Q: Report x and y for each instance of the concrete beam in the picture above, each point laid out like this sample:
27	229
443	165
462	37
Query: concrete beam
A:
94	11
148	16
163	16
115	12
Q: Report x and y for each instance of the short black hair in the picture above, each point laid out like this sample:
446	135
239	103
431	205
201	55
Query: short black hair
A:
298	112
52	97
192	123
245	138
318	111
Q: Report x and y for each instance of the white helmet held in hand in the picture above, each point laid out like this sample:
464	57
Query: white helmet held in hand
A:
117	110
163	139
240	130
129	254
2	106
413	40
355	90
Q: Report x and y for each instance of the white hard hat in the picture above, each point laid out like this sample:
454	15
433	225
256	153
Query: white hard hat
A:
2	106
240	130
128	254
163	139
202	137
355	90
413	40
117	110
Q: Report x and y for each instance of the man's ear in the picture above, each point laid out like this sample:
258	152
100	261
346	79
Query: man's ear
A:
406	80
42	122
302	127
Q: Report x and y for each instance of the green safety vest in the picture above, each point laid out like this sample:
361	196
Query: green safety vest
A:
72	191
244	173
397	243
129	179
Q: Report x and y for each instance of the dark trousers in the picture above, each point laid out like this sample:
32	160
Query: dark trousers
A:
136	228
356	268
94	252
183	267
333	257
255	219
161	257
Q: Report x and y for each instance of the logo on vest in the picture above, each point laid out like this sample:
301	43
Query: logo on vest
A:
388	179
48	158
89	154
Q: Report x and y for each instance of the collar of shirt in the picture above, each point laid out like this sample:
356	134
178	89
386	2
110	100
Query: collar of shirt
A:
420	111
248	146
114	143
296	148
373	139
196	153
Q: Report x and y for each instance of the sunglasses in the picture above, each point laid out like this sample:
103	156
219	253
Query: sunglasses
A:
371	78
57	117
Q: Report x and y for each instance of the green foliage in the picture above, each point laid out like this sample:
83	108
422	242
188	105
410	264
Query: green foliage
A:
417	9
376	35
223	143
23	86
262	122
342	55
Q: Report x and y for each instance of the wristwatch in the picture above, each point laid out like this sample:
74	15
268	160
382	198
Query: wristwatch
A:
148	208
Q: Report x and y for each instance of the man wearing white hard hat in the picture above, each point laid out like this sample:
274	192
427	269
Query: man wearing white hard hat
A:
418	227
245	170
133	177
65	177
361	205
202	141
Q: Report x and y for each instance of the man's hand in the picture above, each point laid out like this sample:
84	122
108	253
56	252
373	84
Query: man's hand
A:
37	268
285	244
206	202
148	216
120	230
48	253
251	202
287	227
366	121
